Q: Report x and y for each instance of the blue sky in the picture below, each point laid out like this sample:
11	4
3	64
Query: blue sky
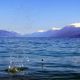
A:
27	16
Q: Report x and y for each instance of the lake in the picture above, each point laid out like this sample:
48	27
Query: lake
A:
45	58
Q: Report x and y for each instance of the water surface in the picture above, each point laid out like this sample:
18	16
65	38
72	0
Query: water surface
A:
61	57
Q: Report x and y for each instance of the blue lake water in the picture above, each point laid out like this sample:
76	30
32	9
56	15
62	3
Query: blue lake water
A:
44	57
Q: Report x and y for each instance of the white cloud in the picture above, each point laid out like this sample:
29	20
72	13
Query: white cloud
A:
56	28
41	31
76	24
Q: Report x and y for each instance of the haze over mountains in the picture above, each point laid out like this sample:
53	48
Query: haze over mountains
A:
72	30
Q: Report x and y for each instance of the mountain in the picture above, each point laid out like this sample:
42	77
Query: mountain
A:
72	30
67	31
41	34
4	33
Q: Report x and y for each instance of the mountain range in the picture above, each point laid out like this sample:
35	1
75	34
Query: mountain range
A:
67	31
4	33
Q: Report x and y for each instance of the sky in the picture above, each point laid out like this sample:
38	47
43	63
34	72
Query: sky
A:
27	16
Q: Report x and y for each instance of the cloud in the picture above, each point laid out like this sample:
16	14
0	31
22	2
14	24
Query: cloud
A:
56	28
41	31
76	24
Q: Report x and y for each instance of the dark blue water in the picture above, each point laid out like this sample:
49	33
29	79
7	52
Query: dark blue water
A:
46	58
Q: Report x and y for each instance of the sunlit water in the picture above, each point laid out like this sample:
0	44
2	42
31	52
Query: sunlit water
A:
44	57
